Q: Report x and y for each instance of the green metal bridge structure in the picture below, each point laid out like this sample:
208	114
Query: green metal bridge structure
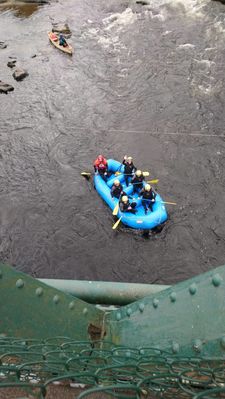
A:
118	340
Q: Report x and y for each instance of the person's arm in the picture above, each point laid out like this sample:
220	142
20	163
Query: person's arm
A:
124	160
153	195
121	206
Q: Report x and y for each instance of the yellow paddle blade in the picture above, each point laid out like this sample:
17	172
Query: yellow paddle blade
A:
116	209
117	173
169	203
86	174
117	223
145	174
153	181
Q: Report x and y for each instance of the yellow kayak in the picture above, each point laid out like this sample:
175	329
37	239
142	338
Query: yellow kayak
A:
55	41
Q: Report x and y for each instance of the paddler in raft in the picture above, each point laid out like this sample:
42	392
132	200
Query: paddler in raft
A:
101	167
129	168
62	40
126	206
148	197
137	181
117	189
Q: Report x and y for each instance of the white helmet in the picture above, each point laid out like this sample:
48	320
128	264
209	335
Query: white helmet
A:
125	198
147	187
116	182
129	159
138	173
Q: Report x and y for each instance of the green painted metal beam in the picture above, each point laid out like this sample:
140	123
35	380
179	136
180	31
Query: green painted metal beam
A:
102	292
187	319
30	308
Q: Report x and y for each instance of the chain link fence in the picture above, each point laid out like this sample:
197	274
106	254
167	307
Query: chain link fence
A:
101	367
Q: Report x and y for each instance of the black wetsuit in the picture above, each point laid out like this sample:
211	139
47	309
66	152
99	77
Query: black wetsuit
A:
137	183
128	207
129	170
117	191
148	199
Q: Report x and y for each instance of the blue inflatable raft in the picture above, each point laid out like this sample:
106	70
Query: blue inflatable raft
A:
138	220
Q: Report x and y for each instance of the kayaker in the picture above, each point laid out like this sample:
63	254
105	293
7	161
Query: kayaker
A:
117	189
129	168
148	197
137	181
126	206
62	40
101	167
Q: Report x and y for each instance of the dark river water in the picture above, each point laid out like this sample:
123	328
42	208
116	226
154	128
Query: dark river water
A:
146	81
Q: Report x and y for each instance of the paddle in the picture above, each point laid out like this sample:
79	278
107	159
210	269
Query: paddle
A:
86	174
153	181
116	209
145	174
149	181
117	223
162	202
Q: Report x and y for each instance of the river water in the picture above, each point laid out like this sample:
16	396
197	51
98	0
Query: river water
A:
146	81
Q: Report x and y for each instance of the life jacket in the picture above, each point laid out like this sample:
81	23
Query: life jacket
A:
129	168
148	195
137	180
116	190
125	207
100	164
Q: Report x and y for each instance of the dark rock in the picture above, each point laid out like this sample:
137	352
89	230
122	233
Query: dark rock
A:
20	74
33	56
11	64
59	27
143	2
4	87
12	58
3	45
34	1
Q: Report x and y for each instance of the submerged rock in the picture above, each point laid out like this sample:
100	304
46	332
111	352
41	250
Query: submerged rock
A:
5	88
3	45
20	74
11	64
59	27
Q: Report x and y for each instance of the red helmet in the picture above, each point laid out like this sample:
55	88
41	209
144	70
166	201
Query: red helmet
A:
100	158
